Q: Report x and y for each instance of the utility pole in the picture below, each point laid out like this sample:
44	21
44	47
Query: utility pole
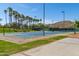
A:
44	19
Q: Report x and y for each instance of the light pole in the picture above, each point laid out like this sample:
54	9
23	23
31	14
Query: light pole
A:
63	13
44	19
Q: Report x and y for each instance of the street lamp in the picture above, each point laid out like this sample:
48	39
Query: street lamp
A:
63	13
43	19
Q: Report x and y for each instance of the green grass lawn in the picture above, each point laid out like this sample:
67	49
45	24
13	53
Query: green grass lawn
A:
7	30
8	48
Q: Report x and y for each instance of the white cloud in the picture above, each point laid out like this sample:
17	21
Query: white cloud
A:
48	21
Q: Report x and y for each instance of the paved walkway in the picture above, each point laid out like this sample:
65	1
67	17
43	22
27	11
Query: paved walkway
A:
65	47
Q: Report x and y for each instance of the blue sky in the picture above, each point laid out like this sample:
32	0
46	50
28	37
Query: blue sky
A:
53	10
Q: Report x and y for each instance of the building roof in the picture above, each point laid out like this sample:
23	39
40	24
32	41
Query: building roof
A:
62	24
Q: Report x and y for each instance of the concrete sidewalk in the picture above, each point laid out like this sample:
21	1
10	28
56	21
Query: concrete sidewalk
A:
65	47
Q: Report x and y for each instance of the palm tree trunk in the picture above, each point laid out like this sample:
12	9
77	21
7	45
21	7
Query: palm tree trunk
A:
10	22
6	18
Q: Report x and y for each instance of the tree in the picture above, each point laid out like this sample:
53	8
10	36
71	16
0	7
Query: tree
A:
10	11
10	16
27	18
40	20
77	24
26	21
16	20
22	19
16	16
5	12
14	13
30	22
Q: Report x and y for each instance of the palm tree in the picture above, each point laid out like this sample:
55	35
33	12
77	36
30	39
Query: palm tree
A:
40	20
18	19
26	21
15	19
30	22
36	21
27	18
10	11
14	13
16	16
21	20
10	16
5	11
75	26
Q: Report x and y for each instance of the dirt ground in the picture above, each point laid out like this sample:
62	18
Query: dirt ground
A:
74	35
